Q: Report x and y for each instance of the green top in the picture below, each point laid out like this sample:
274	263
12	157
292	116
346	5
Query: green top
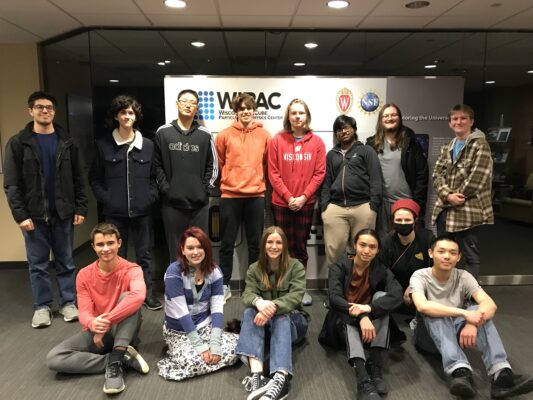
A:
288	297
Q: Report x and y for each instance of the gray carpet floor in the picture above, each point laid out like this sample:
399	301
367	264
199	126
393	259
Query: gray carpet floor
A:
319	374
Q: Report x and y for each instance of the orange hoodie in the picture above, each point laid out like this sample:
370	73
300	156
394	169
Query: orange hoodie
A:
242	157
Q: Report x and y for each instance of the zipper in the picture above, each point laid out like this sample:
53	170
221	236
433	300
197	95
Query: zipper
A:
43	191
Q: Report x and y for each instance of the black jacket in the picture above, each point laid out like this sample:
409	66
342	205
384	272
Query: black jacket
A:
124	182
415	167
352	179
24	182
186	165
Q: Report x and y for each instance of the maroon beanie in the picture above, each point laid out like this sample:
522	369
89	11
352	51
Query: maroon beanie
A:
409	204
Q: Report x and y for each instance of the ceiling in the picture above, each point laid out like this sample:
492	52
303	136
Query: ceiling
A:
477	39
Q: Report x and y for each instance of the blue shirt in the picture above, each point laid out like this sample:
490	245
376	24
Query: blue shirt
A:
47	147
457	147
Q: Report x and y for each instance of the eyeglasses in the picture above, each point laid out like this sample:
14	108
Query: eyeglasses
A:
344	129
191	103
386	116
40	107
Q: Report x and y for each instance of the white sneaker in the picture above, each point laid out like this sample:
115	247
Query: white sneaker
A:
227	293
69	312
307	299
42	318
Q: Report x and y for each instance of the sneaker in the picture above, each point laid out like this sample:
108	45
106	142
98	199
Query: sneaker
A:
227	293
152	303
69	312
461	383
114	378
376	376
257	384
42	317
133	360
307	299
366	390
278	388
509	384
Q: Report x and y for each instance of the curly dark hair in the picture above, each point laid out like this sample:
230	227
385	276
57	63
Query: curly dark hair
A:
120	103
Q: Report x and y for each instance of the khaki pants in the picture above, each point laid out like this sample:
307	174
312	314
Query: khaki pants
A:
340	226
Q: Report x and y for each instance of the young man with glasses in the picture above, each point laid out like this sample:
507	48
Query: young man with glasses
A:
186	170
351	193
44	185
403	163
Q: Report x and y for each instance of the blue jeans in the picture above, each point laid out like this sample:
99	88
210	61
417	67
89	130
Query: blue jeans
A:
56	235
284	330
440	336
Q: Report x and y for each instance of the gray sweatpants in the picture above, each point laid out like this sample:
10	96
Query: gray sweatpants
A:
79	355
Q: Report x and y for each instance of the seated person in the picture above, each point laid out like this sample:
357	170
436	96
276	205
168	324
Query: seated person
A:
405	250
362	294
111	292
439	294
275	286
194	315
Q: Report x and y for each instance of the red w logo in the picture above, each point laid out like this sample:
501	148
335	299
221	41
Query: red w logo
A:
344	102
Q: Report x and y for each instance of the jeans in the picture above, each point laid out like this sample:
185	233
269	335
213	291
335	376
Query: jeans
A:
284	330
468	244
250	211
440	336
56	235
141	231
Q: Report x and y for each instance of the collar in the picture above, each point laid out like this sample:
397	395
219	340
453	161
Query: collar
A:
137	141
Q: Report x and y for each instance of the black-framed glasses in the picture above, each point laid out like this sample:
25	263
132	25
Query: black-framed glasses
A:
346	128
41	107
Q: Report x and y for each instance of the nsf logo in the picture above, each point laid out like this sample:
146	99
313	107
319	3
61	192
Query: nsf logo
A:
369	102
206	105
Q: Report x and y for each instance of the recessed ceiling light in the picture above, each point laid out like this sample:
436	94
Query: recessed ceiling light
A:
417	4
430	77
198	44
311	45
530	71
175	3
114	80
167	61
161	63
338	4
430	66
299	64
490	82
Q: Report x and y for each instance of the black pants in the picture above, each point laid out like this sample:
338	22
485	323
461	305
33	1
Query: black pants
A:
233	211
142	235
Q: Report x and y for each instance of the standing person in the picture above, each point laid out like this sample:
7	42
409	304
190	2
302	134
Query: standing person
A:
242	157
448	325
123	180
45	189
275	285
186	168
194	314
403	163
111	292
351	193
362	295
296	169
462	179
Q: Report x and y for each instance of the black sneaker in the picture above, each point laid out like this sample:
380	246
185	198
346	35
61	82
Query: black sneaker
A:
114	378
461	383
376	376
366	390
509	384
257	384
133	360
152	303
278	388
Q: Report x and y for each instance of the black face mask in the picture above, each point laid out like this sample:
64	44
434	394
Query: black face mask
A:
404	229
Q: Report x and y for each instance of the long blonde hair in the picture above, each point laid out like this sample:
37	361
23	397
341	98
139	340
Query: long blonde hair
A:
263	257
287	124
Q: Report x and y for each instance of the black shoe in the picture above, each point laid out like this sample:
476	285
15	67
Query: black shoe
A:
133	360
278	388
461	383
114	378
152	303
509	384
376	376
366	390
257	384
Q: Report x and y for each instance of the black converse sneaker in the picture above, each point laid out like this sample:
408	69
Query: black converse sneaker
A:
114	378
278	388
257	384
133	360
376	375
